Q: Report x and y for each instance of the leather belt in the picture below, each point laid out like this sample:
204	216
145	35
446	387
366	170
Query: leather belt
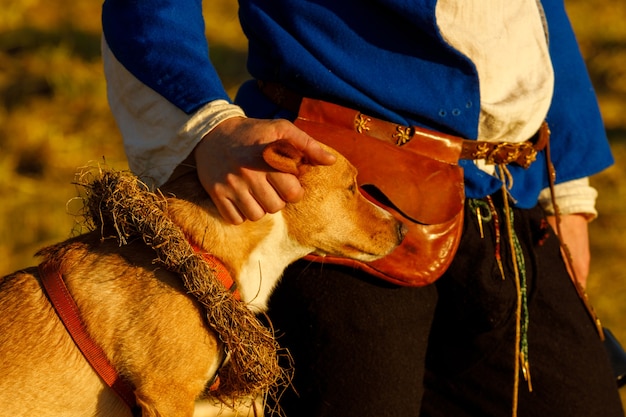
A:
522	153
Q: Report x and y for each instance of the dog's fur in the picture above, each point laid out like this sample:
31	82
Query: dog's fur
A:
142	316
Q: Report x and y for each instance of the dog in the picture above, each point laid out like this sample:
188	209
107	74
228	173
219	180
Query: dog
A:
141	315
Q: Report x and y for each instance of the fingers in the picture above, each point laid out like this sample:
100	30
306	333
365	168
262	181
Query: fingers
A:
287	187
252	194
575	234
239	182
244	198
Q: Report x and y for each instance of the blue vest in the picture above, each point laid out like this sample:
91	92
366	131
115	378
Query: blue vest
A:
384	57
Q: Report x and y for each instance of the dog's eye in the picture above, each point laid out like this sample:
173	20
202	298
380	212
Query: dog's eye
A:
352	188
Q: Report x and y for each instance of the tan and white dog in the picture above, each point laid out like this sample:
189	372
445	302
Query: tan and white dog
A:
141	315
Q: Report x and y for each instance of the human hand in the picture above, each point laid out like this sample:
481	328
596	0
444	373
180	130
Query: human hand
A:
575	234
231	168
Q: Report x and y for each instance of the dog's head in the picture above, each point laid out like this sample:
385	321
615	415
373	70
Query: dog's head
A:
334	217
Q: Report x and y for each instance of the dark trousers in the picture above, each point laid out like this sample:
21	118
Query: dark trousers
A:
359	345
470	357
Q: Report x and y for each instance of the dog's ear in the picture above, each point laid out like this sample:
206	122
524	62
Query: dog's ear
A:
283	156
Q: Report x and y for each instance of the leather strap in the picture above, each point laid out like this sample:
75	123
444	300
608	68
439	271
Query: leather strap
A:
67	310
69	314
523	153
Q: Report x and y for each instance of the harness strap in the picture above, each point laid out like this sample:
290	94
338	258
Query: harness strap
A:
67	310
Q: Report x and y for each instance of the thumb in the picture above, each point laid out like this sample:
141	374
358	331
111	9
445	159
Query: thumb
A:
318	155
314	152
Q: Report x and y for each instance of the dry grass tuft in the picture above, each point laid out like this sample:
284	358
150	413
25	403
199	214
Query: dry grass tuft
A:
121	206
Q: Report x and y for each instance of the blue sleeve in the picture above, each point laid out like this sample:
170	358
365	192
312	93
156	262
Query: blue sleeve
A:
579	143
162	43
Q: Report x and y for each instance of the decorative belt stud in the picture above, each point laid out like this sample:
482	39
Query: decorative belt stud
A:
493	153
403	134
361	123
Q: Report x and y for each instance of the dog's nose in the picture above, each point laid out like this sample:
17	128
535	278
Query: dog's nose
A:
402	231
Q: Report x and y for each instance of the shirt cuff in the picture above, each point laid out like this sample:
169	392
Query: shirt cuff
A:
572	197
205	120
199	124
157	135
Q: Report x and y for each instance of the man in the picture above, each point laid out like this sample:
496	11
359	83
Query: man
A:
509	332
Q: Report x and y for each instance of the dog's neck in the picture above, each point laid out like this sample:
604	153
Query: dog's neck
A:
264	266
255	253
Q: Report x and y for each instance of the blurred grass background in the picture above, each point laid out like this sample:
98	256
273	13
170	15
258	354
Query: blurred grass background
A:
54	118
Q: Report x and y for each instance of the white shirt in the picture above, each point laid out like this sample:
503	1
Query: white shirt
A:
506	41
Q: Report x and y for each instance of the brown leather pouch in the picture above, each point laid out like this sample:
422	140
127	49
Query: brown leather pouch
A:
419	182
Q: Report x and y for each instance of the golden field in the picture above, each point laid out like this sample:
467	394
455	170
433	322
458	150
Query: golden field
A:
54	118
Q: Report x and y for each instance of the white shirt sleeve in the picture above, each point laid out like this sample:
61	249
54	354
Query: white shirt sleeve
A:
157	135
575	196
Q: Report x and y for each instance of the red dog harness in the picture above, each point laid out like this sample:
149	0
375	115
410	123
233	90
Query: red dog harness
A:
67	310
